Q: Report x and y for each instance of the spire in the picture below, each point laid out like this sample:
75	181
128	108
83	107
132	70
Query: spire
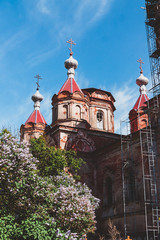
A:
36	116
37	97
141	81
137	116
71	64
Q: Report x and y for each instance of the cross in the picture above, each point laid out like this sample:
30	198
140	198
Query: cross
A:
38	78
71	43
128	238
141	62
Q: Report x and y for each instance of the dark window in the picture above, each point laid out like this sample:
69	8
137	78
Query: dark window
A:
100	119
130	192
108	192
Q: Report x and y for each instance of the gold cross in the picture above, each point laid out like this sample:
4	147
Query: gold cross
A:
128	238
141	62
71	43
38	78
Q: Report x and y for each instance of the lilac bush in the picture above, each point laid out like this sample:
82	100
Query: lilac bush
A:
74	205
36	207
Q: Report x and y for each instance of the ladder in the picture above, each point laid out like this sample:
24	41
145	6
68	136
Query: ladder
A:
125	152
150	177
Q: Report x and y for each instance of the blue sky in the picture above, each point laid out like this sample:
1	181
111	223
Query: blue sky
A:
110	37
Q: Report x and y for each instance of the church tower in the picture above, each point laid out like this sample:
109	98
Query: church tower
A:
78	114
137	116
35	125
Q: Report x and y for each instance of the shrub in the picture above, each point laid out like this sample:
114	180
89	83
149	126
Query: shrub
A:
40	207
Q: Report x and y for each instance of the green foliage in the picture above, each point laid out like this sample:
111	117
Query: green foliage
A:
32	228
53	161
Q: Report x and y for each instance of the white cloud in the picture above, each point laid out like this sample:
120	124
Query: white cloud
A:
62	21
14	117
42	5
34	59
73	18
46	108
104	6
82	81
14	41
125	98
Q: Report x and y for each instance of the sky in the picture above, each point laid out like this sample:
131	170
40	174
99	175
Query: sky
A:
110	37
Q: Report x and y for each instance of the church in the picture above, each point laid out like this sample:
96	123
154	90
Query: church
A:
122	170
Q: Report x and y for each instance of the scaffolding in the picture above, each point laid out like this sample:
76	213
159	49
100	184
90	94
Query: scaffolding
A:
153	38
150	172
126	156
148	136
150	169
149	160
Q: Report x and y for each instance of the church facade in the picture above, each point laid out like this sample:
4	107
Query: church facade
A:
117	166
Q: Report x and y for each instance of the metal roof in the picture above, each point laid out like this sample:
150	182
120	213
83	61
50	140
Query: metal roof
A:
36	117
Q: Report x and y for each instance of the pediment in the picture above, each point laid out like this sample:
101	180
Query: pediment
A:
78	94
99	94
63	94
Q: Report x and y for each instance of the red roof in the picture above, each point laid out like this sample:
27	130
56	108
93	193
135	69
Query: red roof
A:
36	117
70	85
141	101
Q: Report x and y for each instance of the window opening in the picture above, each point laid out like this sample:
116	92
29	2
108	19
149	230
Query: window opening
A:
100	119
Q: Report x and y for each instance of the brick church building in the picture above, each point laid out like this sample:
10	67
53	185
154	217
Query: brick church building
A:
121	170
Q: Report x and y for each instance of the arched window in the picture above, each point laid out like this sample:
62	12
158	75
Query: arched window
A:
144	123
55	114
78	112
111	119
65	112
100	119
130	189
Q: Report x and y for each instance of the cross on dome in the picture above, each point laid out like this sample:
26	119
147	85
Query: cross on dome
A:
71	43
141	62
70	64
38	78
142	81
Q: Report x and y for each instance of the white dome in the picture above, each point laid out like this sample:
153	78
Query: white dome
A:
71	63
37	97
142	80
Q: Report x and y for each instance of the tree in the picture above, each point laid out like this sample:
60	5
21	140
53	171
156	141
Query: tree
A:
40	207
53	161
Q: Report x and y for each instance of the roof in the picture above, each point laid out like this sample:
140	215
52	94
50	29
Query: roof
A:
91	90
141	101
36	117
70	85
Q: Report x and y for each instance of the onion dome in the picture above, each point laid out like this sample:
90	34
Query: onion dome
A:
37	98
36	116
70	64
141	81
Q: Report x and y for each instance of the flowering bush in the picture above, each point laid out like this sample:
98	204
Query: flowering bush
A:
36	207
74	205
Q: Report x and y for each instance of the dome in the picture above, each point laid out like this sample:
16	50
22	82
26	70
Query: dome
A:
71	63
142	80
37	97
